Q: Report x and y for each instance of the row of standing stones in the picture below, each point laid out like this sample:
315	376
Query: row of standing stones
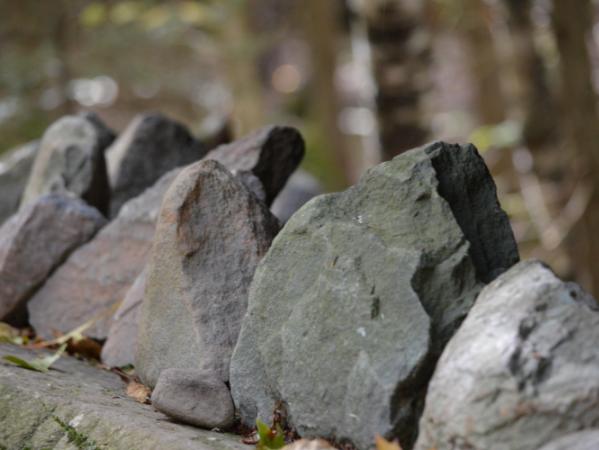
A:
396	307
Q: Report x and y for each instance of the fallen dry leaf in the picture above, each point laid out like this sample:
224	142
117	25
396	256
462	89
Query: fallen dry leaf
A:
139	392
384	444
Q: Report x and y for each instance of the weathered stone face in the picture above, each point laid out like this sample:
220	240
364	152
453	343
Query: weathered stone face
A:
361	290
151	146
37	240
71	159
211	234
14	172
522	370
582	440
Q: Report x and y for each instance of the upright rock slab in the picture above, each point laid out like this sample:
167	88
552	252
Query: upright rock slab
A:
522	370
211	234
151	146
14	173
34	242
71	159
300	188
360	291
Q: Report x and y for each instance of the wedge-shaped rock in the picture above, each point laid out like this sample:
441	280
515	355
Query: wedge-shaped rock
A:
211	234
71	159
14	173
522	370
34	242
99	274
360	291
151	146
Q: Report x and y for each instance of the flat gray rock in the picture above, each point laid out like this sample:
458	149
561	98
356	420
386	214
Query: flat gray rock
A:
360	291
93	404
34	242
151	146
15	166
71	159
211	234
522	370
194	397
583	440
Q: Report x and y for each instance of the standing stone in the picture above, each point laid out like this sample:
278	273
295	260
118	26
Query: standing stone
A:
211	234
121	345
360	291
34	242
194	397
300	188
150	146
71	159
14	172
271	153
522	370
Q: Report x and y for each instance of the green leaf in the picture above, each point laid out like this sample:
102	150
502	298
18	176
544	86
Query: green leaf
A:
269	439
37	364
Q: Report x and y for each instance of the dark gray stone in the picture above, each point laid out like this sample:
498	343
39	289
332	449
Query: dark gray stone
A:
300	188
271	153
211	234
71	159
37	240
583	440
360	291
15	166
94	403
194	397
522	370
151	146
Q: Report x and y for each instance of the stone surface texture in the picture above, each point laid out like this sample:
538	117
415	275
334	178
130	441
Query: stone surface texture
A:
151	146
71	159
34	242
271	153
360	291
583	440
522	370
194	397
211	234
300	188
91	401
15	166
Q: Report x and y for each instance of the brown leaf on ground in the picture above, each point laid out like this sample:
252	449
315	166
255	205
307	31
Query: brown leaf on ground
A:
384	444
139	392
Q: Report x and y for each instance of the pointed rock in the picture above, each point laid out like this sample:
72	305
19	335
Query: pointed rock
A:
15	166
360	291
151	146
71	159
522	370
211	234
37	240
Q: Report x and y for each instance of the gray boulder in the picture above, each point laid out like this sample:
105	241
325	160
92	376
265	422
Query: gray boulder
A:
151	146
195	398
71	159
300	188
34	242
583	440
211	234
14	172
360	291
522	370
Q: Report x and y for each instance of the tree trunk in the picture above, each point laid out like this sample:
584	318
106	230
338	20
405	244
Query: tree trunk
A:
400	46
571	22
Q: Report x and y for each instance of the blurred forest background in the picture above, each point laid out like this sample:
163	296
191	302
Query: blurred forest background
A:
363	80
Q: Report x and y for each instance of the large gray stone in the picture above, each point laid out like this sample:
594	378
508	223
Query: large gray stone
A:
97	275
37	240
360	291
583	440
300	188
14	173
271	153
194	397
92	405
151	146
71	159
522	370
211	234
